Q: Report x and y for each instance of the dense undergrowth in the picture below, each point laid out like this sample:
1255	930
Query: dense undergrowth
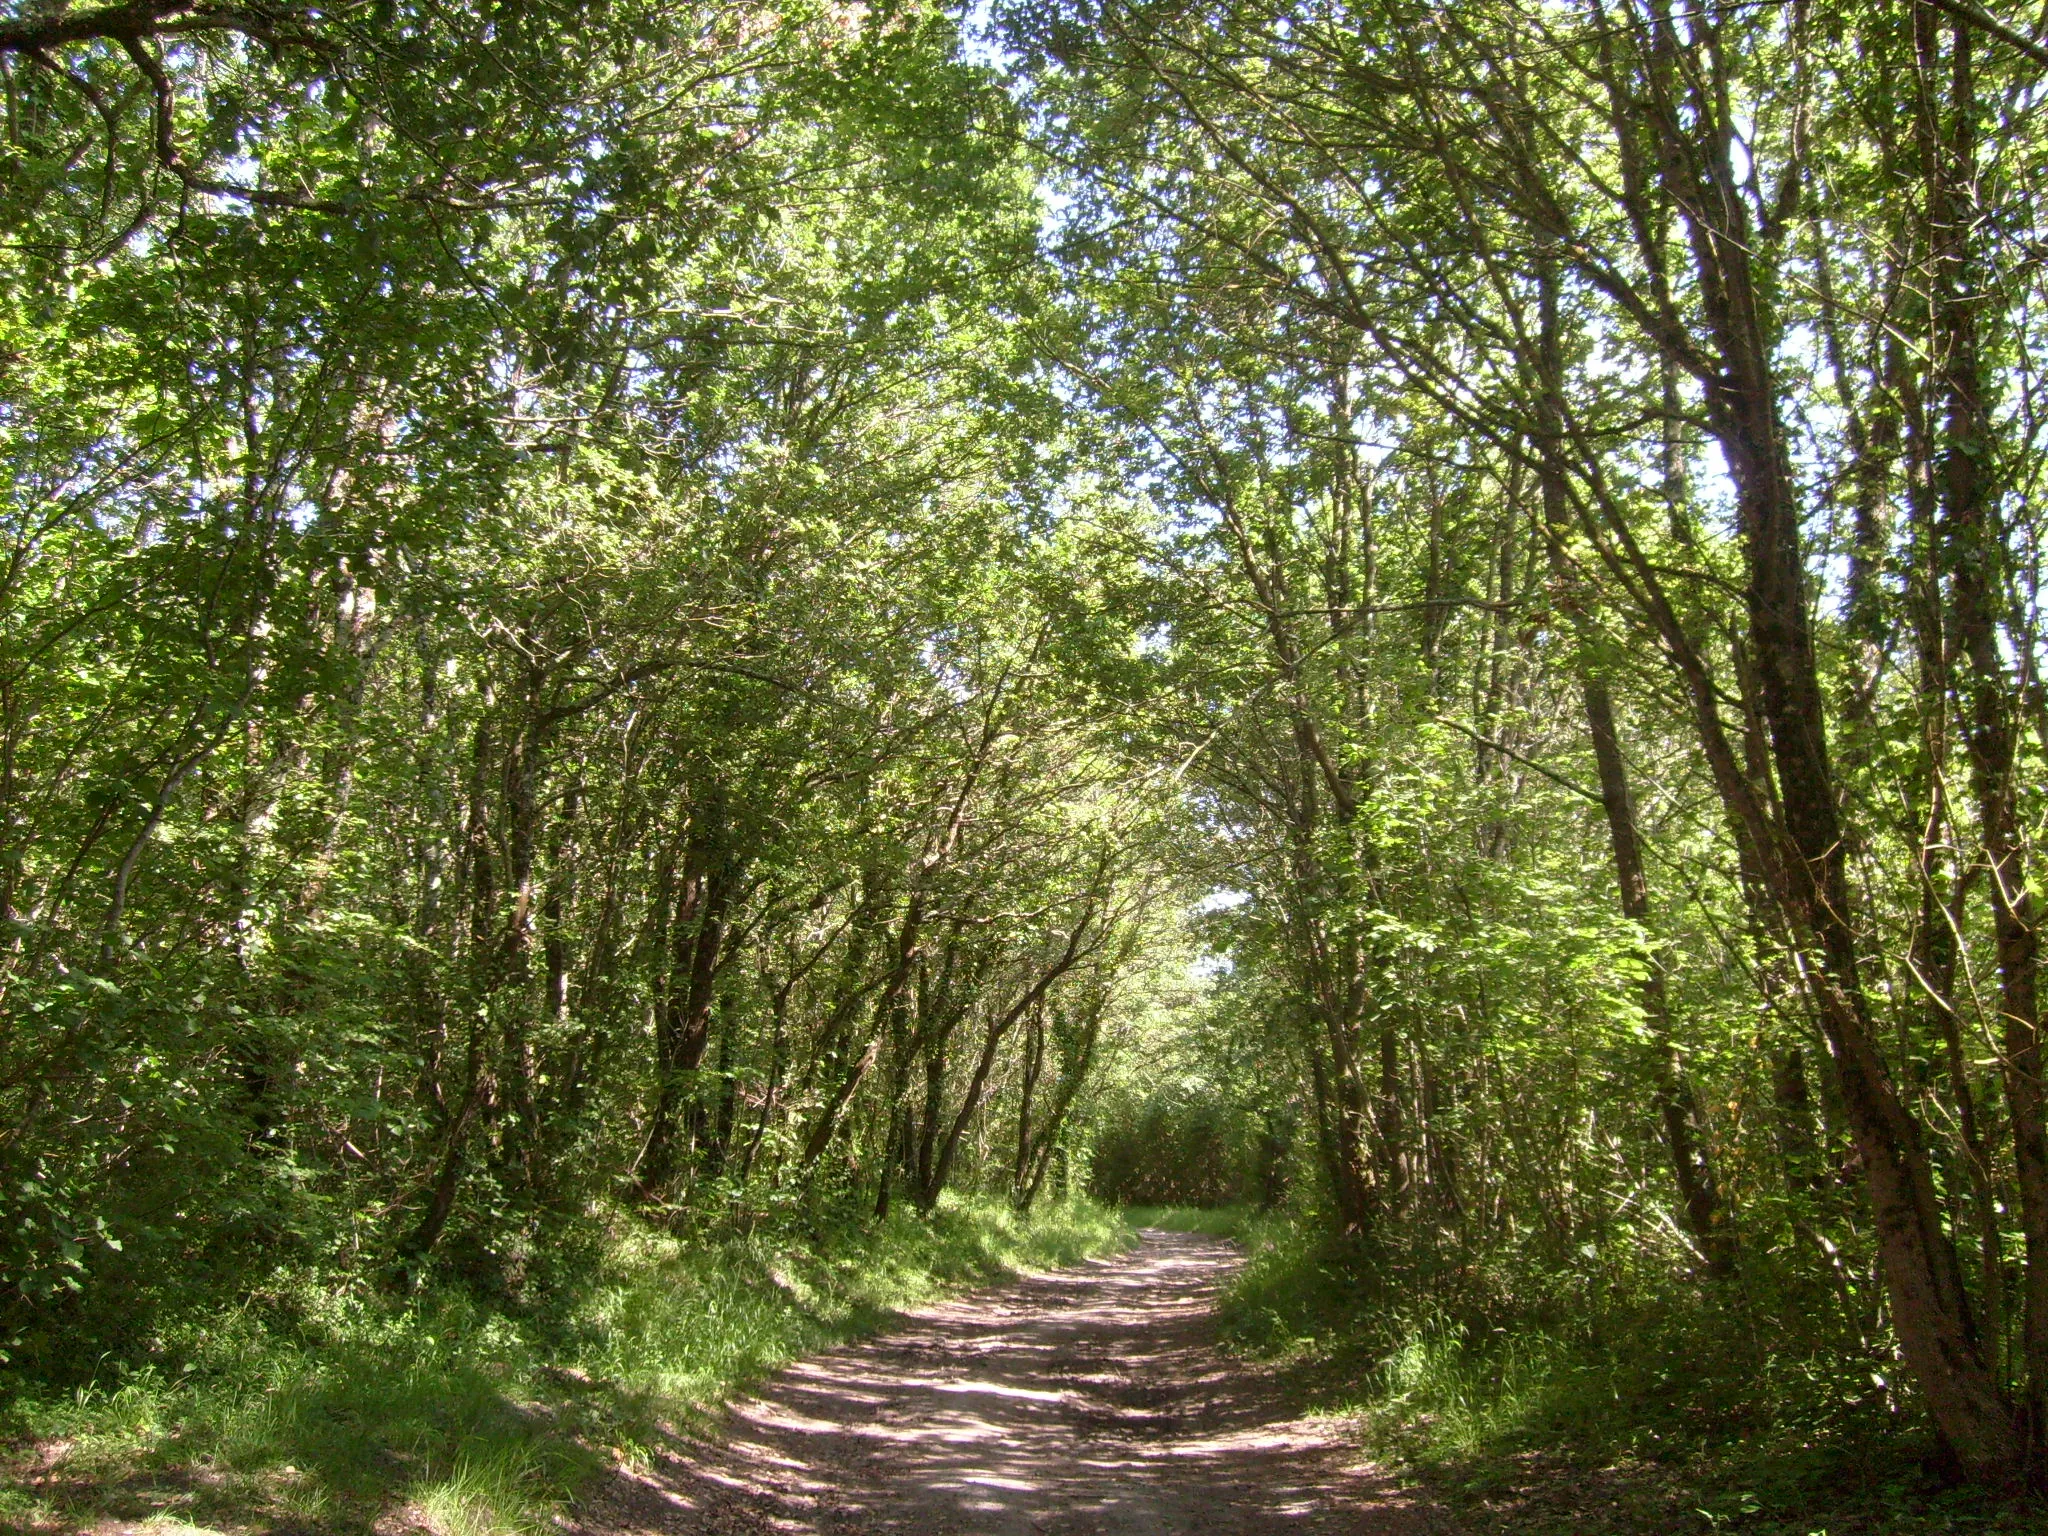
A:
328	1404
1598	1397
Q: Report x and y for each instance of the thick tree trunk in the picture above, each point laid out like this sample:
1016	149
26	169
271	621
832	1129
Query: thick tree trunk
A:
1932	1312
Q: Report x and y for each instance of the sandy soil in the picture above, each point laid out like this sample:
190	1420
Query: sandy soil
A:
1088	1401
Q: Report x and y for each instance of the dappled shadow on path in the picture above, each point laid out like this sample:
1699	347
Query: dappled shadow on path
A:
1088	1401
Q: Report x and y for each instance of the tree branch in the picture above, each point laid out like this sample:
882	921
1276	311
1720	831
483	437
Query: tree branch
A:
139	18
1984	21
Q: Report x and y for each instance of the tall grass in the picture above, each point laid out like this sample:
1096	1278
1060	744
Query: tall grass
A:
329	1405
1607	1396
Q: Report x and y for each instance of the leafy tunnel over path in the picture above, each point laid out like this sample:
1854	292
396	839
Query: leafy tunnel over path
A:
701	623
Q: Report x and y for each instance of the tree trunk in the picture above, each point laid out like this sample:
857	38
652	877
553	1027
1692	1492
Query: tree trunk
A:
1801	837
1677	1105
683	1018
1972	551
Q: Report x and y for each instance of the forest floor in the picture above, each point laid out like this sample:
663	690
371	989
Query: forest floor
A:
1092	1400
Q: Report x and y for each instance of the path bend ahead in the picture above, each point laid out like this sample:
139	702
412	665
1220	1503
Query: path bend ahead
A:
1090	1402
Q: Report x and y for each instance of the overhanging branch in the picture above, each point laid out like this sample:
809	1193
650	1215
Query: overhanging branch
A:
138	19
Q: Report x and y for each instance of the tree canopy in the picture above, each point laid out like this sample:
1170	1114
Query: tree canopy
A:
1426	611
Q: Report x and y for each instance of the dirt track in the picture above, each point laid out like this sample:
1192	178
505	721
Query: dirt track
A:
1092	1400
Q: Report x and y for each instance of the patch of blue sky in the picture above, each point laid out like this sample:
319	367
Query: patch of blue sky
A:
981	40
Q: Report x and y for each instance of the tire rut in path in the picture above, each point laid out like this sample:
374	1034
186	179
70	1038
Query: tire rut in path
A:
1089	1401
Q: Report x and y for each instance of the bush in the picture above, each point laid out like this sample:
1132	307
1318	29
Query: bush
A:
1606	1395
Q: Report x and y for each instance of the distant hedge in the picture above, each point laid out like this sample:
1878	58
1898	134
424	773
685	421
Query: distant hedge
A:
1172	1149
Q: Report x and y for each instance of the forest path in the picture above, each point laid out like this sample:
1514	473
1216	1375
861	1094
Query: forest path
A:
1092	1400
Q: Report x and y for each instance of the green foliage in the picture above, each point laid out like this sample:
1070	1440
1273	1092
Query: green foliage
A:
1604	1397
1173	1150
520	653
729	614
1560	588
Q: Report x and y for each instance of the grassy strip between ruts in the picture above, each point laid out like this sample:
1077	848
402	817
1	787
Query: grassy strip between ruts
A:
1673	1416
334	1409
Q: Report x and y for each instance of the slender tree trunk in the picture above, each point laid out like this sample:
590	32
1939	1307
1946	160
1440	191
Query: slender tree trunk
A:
999	1028
1677	1105
1054	1120
1388	1121
1801	837
1973	560
683	1020
1034	1059
908	936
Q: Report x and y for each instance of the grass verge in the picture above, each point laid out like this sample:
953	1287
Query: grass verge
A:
1623	1408
333	1409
